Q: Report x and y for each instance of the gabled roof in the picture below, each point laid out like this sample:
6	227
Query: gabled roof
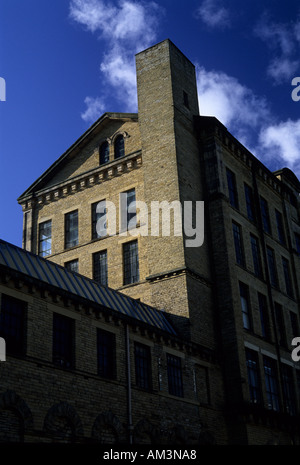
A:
44	271
83	140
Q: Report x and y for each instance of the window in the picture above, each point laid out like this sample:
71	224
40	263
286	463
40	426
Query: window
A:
106	352
288	389
233	198
237	237
294	324
244	295
264	316
71	229
272	267
99	225
119	147
100	267
297	240
63	340
45	238
174	375
253	376
12	324
256	256
72	265
280	228
287	277
271	380
142	365
131	262
186	100
265	215
249	202
280	324
128	210
104	153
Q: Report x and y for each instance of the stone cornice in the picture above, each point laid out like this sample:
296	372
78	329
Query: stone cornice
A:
85	180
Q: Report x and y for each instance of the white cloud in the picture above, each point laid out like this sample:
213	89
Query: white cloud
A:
95	108
282	141
283	40
213	14
127	27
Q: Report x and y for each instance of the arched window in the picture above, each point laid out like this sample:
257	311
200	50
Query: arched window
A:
104	153
119	147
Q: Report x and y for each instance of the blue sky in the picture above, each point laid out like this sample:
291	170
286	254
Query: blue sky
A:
66	62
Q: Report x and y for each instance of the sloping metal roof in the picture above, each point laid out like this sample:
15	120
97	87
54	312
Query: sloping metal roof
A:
50	273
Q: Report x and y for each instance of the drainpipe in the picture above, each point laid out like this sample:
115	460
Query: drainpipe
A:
128	385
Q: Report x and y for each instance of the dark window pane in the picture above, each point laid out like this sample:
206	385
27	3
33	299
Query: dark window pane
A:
143	366
63	335
104	153
12	324
71	229
297	239
280	324
256	256
72	265
287	277
45	238
264	316
294	324
272	267
233	198
239	254
280	228
271	380
99	225
131	262
253	377
244	296
288	389
119	147
265	215
106	353
174	375
249	202
100	267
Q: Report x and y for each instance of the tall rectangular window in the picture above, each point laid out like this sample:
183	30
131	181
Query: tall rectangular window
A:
174	375
131	262
289	394
238	244
72	265
280	228
271	380
100	267
244	296
142	365
63	341
253	377
106	353
128	210
45	238
99	225
256	256
297	240
71	229
265	215
272	267
231	182
12	324
249	202
287	277
264	316
280	324
294	324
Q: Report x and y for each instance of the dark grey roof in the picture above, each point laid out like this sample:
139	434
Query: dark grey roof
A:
55	275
